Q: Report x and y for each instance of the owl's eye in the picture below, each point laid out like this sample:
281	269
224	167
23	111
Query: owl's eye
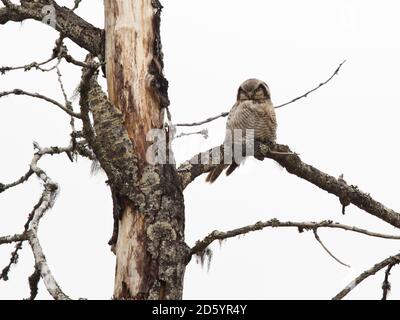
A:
260	92
242	95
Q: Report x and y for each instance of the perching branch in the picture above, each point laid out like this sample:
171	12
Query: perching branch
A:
293	164
370	272
201	245
225	114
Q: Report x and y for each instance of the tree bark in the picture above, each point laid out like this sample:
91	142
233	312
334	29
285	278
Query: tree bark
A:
151	254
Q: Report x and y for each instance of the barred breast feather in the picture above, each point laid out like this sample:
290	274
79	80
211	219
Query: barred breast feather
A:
259	116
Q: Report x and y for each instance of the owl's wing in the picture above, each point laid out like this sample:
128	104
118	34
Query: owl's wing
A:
241	116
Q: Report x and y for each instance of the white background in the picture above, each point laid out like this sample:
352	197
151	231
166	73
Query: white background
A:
349	126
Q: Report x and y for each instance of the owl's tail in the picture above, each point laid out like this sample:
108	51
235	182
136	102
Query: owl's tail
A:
215	173
231	168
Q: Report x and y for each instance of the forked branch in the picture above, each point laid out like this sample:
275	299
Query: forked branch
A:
30	233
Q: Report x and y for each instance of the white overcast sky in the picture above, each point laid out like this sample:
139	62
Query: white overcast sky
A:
349	126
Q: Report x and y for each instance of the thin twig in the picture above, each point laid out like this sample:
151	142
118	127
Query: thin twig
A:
27	67
225	114
370	272
327	250
68	104
203	133
314	89
14	255
60	82
13	260
222	115
24	178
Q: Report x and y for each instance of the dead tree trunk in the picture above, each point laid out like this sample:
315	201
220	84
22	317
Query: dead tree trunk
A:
150	248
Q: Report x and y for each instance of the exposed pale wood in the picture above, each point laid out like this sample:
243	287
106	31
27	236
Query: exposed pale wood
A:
150	249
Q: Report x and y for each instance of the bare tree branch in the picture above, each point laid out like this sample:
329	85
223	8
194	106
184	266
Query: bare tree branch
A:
18	246
30	233
60	51
305	95
40	260
48	198
42	97
293	164
27	67
68	105
370	272
201	245
13	260
327	250
68	23
14	238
